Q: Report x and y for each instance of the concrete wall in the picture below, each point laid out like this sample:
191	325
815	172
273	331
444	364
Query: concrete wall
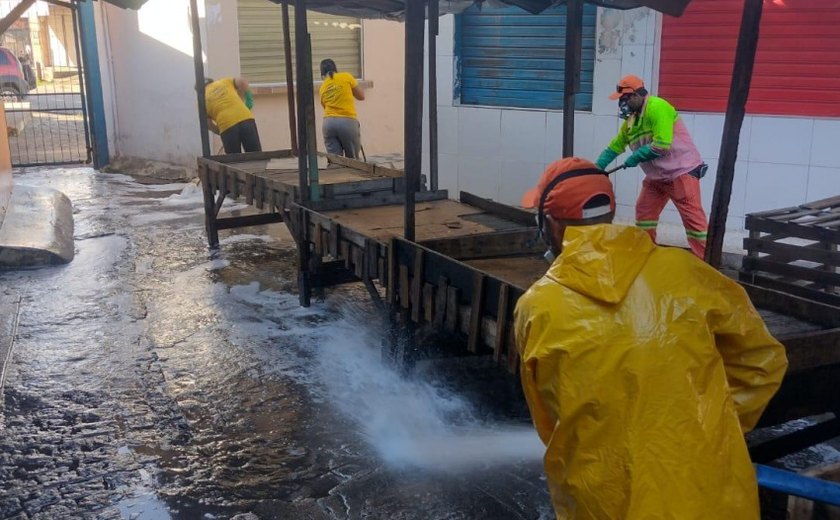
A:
148	77
60	32
501	152
381	114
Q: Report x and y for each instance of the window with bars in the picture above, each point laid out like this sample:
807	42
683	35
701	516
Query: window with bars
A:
261	55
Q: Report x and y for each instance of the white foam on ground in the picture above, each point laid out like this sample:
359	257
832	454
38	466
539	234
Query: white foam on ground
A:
244	237
411	423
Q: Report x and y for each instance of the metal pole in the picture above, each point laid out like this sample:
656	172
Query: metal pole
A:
198	61
82	75
290	81
93	86
414	18
433	113
571	79
311	137
739	91
302	135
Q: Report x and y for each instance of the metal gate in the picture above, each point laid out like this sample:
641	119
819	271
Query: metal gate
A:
43	88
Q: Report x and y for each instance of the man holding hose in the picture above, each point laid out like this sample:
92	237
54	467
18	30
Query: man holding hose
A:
664	150
642	366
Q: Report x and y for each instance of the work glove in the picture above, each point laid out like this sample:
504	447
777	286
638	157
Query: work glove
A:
643	154
606	158
249	99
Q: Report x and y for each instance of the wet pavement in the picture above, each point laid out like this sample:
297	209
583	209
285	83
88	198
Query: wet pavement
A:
154	379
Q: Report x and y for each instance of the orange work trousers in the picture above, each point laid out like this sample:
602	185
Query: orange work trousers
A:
684	192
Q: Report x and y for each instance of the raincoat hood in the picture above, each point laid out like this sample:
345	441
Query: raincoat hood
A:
601	261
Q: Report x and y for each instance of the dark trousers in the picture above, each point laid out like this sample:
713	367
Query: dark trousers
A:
242	135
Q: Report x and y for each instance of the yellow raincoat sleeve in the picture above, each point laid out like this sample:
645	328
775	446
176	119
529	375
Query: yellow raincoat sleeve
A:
544	418
754	361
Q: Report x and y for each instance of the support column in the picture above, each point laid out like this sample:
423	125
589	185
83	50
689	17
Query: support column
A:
290	80
735	109
433	111
198	63
93	86
571	80
413	148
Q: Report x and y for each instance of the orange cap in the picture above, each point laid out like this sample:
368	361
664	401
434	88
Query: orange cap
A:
569	197
627	85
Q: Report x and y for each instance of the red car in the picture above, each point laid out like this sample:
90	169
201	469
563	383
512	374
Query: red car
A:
15	83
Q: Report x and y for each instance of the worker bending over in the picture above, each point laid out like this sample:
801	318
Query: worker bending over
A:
229	102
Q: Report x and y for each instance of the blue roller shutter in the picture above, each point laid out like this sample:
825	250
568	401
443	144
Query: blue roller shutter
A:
511	58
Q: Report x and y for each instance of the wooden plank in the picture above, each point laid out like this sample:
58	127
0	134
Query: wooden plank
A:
233	175
453	296
248	156
371	260
794	271
793	252
441	296
812	350
259	191
249	220
346	161
404	287
488	245
501	323
250	181
317	240
804	292
513	353
391	282
477	312
792	305
384	171
381	271
518	215
818	234
416	286
824	203
358	262
344	247
375	199
344	189
428	302
335	238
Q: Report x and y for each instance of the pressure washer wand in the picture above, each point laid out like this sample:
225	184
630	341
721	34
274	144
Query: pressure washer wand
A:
608	172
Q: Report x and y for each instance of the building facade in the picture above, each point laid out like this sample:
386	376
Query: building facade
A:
500	88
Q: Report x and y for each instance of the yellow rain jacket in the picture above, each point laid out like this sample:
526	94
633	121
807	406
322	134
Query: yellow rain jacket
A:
643	368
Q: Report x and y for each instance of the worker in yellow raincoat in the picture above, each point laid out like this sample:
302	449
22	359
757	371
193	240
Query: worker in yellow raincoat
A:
643	367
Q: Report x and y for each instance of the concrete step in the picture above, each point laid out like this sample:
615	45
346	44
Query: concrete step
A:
37	229
9	308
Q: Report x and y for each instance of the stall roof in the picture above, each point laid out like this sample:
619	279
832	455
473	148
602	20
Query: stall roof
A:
395	9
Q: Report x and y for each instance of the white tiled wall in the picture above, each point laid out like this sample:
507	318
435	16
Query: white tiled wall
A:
500	153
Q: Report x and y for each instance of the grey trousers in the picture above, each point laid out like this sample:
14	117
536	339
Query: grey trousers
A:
342	136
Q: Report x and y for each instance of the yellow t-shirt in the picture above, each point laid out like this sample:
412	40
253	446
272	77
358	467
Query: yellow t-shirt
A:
224	106
337	95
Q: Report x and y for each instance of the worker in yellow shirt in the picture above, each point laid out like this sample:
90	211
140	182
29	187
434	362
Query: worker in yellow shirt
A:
230	116
642	366
342	133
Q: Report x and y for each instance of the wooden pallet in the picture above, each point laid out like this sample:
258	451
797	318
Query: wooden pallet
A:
796	250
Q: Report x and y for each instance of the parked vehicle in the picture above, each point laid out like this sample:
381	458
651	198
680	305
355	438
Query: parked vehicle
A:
14	83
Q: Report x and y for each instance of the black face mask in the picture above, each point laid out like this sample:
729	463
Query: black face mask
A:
624	110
